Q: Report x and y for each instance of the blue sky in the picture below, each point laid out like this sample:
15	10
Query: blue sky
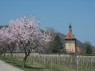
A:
54	13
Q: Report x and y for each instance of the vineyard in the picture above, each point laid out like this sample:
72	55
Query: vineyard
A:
60	62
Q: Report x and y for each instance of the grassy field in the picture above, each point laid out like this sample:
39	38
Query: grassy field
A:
29	65
33	66
45	63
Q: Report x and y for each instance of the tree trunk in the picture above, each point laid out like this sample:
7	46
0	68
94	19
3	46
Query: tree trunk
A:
4	54
11	54
24	60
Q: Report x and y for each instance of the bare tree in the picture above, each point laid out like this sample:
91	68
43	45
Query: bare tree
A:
51	32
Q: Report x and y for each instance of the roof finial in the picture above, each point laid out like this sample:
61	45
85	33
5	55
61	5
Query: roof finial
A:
70	27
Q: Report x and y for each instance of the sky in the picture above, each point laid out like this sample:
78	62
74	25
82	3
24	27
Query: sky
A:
56	14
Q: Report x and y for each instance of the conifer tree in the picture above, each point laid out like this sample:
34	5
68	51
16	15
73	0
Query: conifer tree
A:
56	45
88	47
88	50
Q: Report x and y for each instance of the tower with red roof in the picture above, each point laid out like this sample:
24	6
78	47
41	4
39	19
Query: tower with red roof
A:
70	41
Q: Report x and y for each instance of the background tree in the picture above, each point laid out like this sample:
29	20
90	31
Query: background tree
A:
7	39
51	32
87	47
3	48
56	45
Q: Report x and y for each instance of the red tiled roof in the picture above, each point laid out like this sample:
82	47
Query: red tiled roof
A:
70	36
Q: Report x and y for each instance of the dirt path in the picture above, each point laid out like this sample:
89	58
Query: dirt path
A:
6	67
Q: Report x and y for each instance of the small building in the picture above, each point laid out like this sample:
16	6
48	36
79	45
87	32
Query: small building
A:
79	50
70	42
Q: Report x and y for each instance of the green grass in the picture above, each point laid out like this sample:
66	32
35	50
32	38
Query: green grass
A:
41	66
31	66
35	66
12	61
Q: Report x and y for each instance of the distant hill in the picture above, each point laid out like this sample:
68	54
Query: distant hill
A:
3	26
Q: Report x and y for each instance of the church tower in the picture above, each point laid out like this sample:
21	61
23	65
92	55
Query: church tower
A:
70	41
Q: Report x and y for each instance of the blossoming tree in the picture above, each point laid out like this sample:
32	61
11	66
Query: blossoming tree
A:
7	40
26	32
